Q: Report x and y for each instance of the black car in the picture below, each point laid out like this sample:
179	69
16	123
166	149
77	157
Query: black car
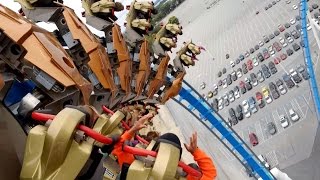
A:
298	18
295	34
289	52
214	104
251	50
241	57
271	36
269	6
254	79
239	113
248	86
265	71
273	2
303	71
295	47
256	47
274	91
287	35
286	78
219	74
302	43
298	27
243	90
316	15
272	67
287	25
237	61
232	114
260	57
234	76
266	39
266	8
315	6
244	68
229	80
224	70
276	33
227	56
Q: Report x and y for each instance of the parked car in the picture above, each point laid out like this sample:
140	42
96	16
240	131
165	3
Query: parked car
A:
234	76
261	43
281	86
295	47
272	67
244	68
220	103
277	46
229	80
303	71
266	54
253	139
286	78
224	70
295	76
266	94
274	91
271	36
242	87
232	114
266	39
295	34
239	73
260	57
260	100
301	44
265	71
215	104
260	76
264	161
283	56
271	128
226	100
239	113
287	25
241	57
254	79
231	96
224	82
203	85
281	27
256	47
248	86
276	60
236	92
284	121
232	64
293	115
276	33
289	52
255	61
219	74
283	42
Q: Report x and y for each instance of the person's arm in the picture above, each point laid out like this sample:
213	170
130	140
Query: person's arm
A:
205	163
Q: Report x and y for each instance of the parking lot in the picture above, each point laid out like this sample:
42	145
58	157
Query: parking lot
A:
234	31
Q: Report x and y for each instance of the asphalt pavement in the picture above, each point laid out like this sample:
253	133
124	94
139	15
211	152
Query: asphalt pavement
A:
233	27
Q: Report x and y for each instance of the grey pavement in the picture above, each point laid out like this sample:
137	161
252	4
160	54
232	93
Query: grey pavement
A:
232	26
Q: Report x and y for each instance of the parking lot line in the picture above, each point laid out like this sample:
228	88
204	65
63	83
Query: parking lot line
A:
259	131
294	101
276	117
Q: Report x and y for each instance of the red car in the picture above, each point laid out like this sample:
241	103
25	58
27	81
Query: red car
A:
281	28
277	60
242	84
283	56
253	139
266	55
258	95
277	46
249	64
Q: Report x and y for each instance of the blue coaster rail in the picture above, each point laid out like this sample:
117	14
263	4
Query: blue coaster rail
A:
307	55
228	135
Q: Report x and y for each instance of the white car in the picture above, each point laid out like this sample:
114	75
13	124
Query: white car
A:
292	21
247	113
231	97
284	121
215	87
294	7
255	61
308	27
237	94
272	52
282	89
290	40
247	80
225	84
239	74
203	85
294	116
245	104
268	99
254	109
261	43
232	64
264	161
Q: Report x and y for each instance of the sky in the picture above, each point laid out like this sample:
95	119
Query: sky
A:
76	5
